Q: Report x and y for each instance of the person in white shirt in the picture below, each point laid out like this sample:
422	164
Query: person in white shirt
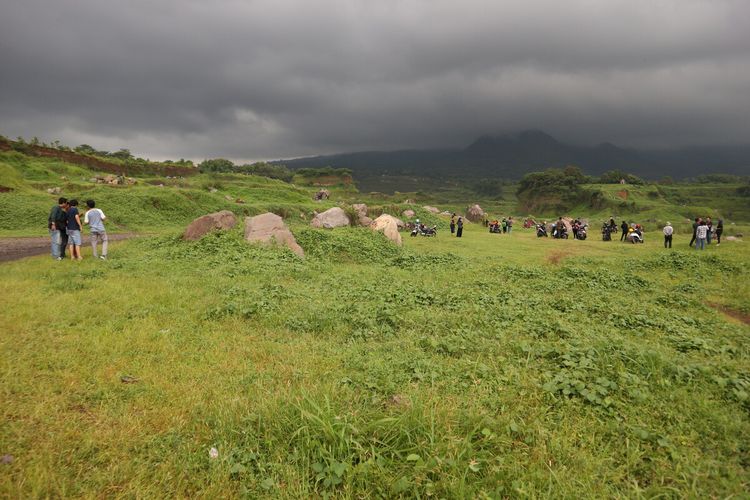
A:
668	230
94	218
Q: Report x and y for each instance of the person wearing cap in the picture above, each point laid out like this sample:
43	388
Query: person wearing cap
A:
668	230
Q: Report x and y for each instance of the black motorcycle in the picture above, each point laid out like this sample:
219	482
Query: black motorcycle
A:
423	230
541	231
580	233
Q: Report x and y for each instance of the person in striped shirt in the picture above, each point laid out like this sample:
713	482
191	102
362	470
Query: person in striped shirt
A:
700	235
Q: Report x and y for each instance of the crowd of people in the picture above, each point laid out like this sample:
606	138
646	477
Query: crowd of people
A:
504	226
703	233
65	229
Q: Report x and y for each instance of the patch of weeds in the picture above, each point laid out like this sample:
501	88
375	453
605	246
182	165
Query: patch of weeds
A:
246	308
684	343
579	375
425	260
736	387
347	244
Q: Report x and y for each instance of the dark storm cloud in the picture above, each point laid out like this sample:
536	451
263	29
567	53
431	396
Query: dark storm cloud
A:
271	79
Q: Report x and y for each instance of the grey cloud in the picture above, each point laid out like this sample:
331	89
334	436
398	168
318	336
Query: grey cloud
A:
273	79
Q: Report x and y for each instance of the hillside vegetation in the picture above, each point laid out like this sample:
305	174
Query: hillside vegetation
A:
157	202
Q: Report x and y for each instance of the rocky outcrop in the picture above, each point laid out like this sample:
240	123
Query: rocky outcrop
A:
333	217
362	217
360	208
432	210
270	229
388	225
322	194
408	213
474	213
212	222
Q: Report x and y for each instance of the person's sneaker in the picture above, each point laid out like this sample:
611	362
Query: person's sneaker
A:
103	257
59	258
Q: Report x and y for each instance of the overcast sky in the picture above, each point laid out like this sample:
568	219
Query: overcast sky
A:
273	79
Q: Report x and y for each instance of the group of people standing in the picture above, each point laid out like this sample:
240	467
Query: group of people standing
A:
703	232
457	226
503	226
65	228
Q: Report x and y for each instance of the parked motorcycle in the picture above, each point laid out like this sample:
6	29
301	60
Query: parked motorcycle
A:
423	230
541	231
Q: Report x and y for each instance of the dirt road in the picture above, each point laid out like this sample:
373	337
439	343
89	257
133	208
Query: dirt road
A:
18	248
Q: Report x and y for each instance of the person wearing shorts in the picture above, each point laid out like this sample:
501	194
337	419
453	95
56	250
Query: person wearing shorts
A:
74	231
94	218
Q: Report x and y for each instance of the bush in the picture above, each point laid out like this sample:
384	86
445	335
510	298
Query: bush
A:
216	165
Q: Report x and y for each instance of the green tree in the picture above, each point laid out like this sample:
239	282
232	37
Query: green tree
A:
122	154
216	165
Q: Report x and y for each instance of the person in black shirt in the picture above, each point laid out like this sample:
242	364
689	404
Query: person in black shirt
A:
719	230
74	230
56	223
460	227
624	235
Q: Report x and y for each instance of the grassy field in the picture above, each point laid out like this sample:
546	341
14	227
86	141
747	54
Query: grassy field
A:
484	367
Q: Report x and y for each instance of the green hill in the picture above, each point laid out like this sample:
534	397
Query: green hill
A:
157	202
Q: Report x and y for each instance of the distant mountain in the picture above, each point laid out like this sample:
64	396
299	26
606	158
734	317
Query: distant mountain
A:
513	155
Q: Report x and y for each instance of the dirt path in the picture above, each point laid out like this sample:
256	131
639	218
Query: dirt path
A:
18	248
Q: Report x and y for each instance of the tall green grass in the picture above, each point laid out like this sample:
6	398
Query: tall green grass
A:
488	366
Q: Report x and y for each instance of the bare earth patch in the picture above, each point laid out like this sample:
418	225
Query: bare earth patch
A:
556	256
19	248
623	194
732	313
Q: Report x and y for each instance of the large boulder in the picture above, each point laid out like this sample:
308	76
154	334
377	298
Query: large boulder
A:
333	217
432	210
474	213
365	221
408	213
388	225
360	208
269	228
362	217
211	222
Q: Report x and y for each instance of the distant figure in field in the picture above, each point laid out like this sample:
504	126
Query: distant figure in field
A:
719	230
695	228
57	222
624	228
510	224
95	219
505	225
74	231
700	235
460	227
668	230
453	223
710	227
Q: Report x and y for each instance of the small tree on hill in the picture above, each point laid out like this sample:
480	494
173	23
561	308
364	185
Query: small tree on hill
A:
216	165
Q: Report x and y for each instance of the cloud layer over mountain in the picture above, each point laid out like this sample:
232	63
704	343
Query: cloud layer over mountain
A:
272	79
